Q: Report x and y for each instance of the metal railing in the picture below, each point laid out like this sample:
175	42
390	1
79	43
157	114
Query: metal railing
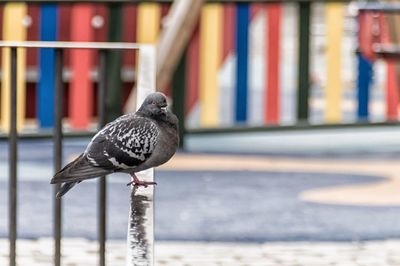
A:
141	201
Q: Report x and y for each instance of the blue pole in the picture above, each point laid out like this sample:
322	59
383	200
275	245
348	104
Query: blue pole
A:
364	81
242	26
45	99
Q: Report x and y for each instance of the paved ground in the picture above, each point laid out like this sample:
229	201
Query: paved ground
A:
251	210
213	206
240	198
80	252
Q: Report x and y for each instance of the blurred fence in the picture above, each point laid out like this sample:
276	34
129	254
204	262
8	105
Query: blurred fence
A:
282	63
248	63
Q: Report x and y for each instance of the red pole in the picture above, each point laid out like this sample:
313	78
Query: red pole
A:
81	89
392	95
192	71
273	63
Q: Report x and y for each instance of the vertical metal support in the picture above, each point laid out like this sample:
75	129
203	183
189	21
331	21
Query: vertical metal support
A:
140	242
114	63
304	61
57	141
102	90
178	96
12	190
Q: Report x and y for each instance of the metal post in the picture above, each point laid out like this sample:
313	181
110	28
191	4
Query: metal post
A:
304	61
13	160
140	242
114	63
57	140
140	226
102	83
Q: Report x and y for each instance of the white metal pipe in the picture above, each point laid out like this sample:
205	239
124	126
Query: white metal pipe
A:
140	240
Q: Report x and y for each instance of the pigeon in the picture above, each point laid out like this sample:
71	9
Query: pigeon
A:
131	143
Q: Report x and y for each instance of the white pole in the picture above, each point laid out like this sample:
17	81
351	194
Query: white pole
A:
140	242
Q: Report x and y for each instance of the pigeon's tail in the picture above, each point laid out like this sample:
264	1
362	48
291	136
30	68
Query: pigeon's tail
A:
76	171
65	188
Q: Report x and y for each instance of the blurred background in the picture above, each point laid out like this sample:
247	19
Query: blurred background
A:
288	120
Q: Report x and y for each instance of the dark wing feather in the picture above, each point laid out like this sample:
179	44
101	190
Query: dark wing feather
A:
78	170
123	144
65	188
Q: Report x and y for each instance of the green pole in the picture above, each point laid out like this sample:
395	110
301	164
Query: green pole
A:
304	61
114	82
178	97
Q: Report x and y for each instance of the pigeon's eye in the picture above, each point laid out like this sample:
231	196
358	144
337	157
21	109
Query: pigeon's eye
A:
153	103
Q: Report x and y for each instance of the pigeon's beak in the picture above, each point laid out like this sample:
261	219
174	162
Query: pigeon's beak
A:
164	109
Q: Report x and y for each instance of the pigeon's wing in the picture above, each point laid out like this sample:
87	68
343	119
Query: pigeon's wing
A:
78	170
123	144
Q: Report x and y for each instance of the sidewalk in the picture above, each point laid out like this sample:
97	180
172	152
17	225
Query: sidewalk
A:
80	252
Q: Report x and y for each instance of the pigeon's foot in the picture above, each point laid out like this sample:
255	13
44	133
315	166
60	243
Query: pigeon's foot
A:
139	183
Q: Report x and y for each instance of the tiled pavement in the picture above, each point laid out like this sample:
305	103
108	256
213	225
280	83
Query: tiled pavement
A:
80	252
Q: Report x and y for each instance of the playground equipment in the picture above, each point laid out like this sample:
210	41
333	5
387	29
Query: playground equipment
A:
378	37
239	68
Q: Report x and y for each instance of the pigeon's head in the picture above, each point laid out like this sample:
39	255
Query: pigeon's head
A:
154	105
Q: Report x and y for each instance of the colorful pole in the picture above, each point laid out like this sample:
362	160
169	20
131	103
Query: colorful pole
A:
148	22
210	59
192	71
364	81
273	65
147	30
45	95
81	88
304	61
13	30
334	87
242	33
114	61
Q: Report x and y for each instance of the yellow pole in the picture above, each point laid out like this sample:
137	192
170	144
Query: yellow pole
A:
147	31
334	36
148	22
210	60
13	30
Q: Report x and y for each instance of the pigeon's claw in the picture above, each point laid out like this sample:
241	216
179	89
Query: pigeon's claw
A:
139	183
